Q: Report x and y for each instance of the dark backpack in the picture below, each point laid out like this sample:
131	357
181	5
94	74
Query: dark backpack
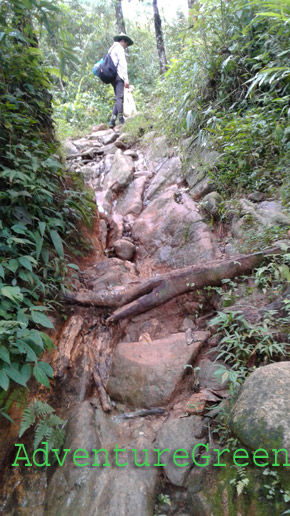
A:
106	70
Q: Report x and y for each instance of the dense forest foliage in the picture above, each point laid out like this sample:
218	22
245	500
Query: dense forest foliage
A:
226	86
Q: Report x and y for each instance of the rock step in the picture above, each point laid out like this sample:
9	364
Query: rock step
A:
146	373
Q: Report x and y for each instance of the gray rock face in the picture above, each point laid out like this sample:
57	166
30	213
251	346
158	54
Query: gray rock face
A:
169	174
260	418
145	374
266	213
177	434
158	148
199	161
110	273
121	172
174	233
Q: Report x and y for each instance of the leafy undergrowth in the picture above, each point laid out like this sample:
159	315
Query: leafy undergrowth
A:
41	211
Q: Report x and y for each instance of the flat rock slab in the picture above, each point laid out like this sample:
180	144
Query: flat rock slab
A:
260	417
146	374
170	231
84	489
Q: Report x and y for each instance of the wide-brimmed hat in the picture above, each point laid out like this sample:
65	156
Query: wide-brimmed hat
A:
123	36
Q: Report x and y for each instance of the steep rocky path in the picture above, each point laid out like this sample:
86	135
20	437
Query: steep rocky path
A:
149	224
142	384
127	384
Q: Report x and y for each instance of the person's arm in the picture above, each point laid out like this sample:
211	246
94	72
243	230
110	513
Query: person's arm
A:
122	65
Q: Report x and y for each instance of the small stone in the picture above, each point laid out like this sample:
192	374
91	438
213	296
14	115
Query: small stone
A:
211	203
109	138
131	153
186	324
256	196
100	127
124	249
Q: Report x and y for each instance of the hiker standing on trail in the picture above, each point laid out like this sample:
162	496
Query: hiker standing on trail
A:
117	53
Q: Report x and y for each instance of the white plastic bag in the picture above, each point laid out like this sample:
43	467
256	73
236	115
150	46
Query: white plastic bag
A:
129	107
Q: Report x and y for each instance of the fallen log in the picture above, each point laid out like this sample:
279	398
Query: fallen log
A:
140	297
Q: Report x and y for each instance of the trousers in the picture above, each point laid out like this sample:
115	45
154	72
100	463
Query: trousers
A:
118	85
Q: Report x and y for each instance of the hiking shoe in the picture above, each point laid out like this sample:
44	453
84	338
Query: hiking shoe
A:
121	120
112	123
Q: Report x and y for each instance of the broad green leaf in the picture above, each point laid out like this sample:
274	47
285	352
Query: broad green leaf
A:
45	255
57	242
42	319
2	272
12	265
22	317
46	368
15	375
13	293
74	266
26	372
48	342
42	226
25	262
40	376
39	244
20	229
31	355
4	354
22	275
4	380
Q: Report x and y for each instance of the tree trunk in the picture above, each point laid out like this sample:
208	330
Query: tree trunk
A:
119	17
190	3
159	39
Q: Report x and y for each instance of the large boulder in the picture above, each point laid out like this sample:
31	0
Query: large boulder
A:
146	373
70	149
170	231
121	172
260	417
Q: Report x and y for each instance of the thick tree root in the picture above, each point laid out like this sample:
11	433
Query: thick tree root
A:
191	278
140	297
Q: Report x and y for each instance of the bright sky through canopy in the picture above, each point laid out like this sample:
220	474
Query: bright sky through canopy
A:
167	8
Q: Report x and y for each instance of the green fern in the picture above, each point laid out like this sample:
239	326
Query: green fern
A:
32	412
48	425
241	482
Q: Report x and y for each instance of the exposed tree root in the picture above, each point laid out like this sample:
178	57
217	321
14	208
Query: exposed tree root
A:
139	298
